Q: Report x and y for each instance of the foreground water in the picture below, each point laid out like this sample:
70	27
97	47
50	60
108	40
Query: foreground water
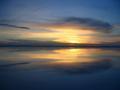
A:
59	69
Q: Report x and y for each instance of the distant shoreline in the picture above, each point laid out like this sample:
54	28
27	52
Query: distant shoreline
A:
80	46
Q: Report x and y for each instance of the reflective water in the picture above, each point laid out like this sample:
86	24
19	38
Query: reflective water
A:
59	69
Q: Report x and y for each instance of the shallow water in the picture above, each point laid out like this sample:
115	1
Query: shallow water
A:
59	69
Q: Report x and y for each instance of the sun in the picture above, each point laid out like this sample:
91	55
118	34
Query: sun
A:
69	40
67	34
73	40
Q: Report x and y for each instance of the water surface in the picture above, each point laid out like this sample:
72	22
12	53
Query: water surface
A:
59	69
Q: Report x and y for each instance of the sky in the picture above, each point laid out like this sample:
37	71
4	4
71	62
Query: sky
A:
68	21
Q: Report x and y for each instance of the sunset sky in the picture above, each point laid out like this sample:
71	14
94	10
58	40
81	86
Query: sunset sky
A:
66	21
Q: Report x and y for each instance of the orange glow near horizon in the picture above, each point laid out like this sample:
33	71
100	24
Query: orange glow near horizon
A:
63	35
70	34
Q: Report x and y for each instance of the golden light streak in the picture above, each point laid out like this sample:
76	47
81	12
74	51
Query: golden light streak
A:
62	33
63	55
63	36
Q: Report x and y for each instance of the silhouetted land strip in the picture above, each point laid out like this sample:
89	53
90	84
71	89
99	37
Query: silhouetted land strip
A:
33	43
65	46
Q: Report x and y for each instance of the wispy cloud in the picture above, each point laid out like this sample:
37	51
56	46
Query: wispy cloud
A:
13	64
13	26
68	29
83	23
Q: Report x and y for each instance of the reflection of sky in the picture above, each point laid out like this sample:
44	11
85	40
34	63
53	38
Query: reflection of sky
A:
60	60
82	69
40	20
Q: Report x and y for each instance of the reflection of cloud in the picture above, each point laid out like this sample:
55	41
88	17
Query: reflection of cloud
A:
83	68
66	61
14	26
14	64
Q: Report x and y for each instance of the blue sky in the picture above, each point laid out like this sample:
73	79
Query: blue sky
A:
36	10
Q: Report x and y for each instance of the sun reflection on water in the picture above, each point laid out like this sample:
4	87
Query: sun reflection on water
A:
76	60
70	55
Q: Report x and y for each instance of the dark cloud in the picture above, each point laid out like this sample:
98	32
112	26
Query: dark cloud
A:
7	23
23	42
14	26
13	64
84	68
88	23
